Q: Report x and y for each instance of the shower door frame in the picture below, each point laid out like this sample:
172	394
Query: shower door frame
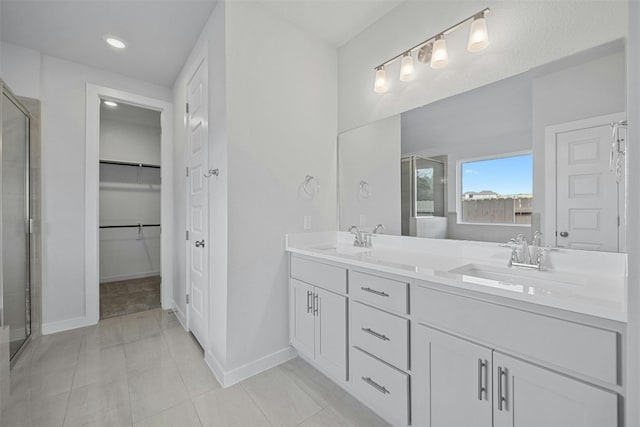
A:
6	91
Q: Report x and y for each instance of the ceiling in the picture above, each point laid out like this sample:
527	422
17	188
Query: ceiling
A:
160	33
131	114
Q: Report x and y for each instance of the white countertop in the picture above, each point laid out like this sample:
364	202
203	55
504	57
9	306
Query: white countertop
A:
592	283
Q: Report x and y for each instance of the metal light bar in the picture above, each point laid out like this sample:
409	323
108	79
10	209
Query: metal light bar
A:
432	38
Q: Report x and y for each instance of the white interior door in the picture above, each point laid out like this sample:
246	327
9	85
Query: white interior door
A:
587	215
198	210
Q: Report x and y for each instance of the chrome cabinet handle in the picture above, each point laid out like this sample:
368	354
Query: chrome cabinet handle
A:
373	291
502	400
482	364
315	304
309	308
375	385
376	334
199	243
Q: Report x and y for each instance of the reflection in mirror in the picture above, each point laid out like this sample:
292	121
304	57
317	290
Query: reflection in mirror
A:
530	153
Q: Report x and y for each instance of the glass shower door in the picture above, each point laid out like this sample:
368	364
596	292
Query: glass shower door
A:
15	223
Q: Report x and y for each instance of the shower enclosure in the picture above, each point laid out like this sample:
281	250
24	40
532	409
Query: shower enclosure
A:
423	197
15	302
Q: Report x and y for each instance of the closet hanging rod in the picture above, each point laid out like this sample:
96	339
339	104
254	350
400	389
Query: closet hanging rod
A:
130	226
140	165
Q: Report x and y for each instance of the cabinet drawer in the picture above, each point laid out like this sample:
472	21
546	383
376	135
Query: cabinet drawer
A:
386	293
381	387
325	276
381	334
583	349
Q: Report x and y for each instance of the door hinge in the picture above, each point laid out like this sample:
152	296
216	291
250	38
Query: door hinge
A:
618	220
187	168
187	298
187	234
187	107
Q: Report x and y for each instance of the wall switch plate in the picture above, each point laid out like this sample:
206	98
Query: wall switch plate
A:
363	220
307	222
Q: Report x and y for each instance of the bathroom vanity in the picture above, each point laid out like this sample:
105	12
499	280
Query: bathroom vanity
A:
430	332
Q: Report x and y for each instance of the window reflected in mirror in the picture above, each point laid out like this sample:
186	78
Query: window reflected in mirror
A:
496	190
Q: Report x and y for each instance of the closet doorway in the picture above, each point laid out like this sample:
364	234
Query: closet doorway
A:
129	209
128	217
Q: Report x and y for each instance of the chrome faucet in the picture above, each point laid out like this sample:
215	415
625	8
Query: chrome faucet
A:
359	238
526	252
521	252
377	228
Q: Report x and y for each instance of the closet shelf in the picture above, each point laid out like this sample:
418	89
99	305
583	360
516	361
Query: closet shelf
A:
139	165
130	226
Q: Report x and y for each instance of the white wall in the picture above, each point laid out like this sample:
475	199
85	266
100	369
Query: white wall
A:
282	125
211	43
63	162
632	379
371	153
21	70
523	35
129	195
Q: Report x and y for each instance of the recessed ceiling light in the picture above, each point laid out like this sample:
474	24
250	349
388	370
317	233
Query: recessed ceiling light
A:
110	103
115	42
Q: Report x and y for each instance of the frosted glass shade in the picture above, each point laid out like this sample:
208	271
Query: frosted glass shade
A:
407	69
381	84
478	35
440	56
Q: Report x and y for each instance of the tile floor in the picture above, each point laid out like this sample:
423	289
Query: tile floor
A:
129	296
143	369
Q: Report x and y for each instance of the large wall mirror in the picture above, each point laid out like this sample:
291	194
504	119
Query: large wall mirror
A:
541	151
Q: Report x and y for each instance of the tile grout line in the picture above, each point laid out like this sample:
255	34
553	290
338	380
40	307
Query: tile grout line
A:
73	377
256	404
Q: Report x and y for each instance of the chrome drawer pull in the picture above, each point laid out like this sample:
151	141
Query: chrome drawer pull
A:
309	305
482	365
315	304
373	291
375	334
502	399
375	385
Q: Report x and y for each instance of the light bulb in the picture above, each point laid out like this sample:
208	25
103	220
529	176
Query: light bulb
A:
407	70
381	84
110	104
116	42
478	35
440	56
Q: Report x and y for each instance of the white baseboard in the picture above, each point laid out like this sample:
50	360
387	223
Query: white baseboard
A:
119	277
234	376
179	315
65	325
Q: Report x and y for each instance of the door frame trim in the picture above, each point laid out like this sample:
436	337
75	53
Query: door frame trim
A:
92	193
550	174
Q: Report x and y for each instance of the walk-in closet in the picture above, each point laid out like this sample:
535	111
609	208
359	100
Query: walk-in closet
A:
129	209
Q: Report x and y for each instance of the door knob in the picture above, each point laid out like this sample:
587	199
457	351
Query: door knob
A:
199	243
564	234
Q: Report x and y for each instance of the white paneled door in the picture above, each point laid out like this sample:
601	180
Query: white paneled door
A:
198	208
587	191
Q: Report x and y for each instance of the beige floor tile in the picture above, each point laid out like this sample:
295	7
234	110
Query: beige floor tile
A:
148	354
106	333
89	402
182	415
48	411
120	417
324	418
141	325
52	382
97	364
318	386
197	377
229	407
183	345
353	413
280	398
155	390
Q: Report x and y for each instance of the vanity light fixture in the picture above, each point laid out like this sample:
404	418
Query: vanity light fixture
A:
115	42
478	35
110	104
381	84
407	69
434	51
439	56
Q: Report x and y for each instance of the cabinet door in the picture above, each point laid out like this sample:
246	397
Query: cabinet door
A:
302	318
526	395
451	381
331	333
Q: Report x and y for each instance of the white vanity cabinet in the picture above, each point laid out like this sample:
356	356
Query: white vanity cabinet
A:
527	395
318	317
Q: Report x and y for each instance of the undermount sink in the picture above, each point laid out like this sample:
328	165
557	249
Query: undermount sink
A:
341	249
510	278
